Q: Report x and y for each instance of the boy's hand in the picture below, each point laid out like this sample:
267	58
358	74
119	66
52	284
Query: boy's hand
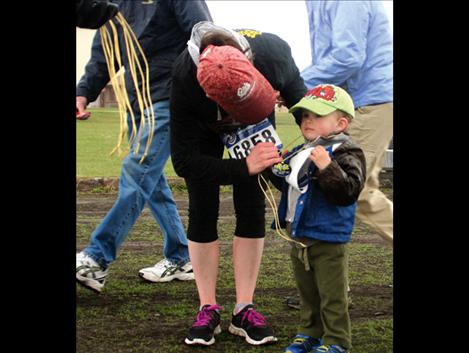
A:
320	157
262	156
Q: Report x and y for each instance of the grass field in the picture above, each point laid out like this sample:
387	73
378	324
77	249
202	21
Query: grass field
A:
133	316
97	136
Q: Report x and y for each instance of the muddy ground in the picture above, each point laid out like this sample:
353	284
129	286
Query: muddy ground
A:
135	316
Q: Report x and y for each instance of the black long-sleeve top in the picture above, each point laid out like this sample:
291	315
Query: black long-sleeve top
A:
196	150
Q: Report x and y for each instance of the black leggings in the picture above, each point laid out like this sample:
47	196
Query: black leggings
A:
204	202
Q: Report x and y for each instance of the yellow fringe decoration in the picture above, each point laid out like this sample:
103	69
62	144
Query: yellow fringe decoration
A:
271	199
112	54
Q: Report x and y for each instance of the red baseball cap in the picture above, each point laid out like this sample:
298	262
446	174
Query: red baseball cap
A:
228	78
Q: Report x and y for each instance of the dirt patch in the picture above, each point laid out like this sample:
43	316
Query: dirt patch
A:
371	301
105	184
136	316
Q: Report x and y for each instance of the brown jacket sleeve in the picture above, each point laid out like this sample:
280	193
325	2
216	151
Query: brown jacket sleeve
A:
343	180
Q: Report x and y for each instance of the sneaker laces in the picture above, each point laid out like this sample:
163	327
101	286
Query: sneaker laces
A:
254	317
204	316
88	267
163	264
88	261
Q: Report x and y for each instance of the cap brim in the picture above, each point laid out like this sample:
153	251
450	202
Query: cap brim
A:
313	105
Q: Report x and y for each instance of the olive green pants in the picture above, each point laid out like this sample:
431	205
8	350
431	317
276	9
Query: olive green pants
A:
321	272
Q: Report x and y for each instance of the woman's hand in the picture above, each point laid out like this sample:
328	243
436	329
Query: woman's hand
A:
262	156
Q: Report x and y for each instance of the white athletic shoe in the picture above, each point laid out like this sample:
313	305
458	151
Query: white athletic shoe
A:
89	274
165	271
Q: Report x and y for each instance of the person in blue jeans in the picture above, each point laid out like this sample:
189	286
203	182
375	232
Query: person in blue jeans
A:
162	28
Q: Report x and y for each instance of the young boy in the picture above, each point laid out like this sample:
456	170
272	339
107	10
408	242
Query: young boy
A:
317	208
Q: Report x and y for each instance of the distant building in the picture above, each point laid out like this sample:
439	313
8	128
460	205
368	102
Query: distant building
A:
84	38
107	98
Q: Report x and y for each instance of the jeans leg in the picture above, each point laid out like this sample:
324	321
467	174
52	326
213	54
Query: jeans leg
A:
140	183
165	211
113	229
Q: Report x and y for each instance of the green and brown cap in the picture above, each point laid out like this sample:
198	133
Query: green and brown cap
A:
325	99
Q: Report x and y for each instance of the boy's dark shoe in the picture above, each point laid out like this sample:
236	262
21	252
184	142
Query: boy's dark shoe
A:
250	324
206	325
303	344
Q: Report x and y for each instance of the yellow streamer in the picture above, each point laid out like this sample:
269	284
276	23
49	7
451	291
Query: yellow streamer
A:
271	199
112	54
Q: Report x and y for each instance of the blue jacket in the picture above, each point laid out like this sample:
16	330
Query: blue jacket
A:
351	47
162	27
326	211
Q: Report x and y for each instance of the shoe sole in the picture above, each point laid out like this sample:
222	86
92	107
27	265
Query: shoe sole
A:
152	278
89	283
201	342
240	332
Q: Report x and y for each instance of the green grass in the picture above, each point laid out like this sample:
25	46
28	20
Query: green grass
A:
97	137
134	316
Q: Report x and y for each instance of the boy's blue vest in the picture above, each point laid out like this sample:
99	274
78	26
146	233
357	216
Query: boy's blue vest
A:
315	217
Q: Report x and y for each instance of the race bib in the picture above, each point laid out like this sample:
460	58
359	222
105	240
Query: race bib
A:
240	142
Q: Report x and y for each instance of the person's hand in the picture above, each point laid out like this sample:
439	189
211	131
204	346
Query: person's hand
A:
262	156
92	14
81	104
320	157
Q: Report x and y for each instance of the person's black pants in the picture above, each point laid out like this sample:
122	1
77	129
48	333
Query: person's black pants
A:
204	202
